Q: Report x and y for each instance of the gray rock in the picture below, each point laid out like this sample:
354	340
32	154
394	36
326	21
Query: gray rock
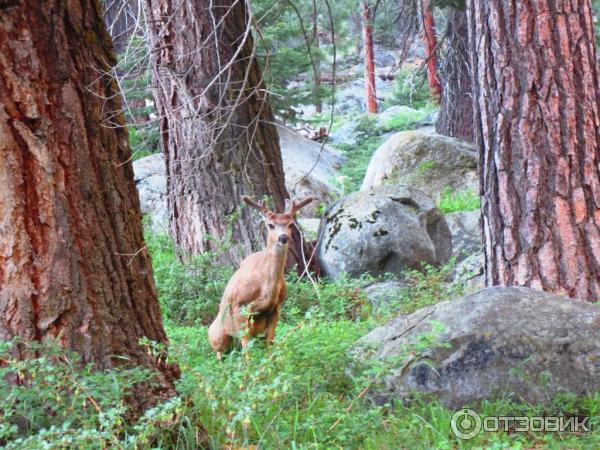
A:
470	273
310	169
383	292
466	233
384	230
148	166
151	182
500	342
384	57
427	161
346	134
310	227
350	97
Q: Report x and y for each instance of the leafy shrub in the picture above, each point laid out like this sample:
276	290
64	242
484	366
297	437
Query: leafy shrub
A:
327	300
451	201
143	140
295	393
189	293
426	288
405	120
410	89
55	401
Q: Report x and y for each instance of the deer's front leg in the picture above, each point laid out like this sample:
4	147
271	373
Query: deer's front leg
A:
246	321
270	333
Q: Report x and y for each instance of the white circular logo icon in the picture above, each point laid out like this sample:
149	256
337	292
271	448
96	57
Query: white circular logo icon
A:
465	424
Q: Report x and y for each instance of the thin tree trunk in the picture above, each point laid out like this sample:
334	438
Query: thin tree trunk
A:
371	95
216	125
73	264
536	87
316	55
429	35
456	111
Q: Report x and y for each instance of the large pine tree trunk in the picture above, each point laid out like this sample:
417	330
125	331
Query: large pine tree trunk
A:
369	58
430	38
456	111
536	88
215	122
73	265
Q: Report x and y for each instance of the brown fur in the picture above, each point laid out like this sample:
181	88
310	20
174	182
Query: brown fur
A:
258	285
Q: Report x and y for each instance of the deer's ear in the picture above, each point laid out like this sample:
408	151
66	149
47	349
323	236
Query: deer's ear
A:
252	204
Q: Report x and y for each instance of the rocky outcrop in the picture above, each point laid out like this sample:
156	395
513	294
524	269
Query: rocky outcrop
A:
384	292
426	161
466	233
151	183
500	342
310	168
384	230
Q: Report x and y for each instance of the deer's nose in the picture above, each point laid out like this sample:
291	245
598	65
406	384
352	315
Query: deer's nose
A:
283	239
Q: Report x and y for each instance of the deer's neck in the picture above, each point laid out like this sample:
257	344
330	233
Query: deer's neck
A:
276	259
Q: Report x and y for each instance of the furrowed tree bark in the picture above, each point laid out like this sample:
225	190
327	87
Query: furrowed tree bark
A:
369	62
456	109
536	86
429	35
217	131
73	264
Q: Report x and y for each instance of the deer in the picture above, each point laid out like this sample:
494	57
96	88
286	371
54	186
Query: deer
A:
251	303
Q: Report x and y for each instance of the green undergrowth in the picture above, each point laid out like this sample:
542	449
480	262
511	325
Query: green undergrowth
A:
306	391
452	201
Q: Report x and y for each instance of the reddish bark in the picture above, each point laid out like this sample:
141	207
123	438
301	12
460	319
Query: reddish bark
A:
429	35
73	264
537	100
369	54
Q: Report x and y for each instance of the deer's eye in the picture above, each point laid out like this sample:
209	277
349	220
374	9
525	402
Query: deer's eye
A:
271	226
290	225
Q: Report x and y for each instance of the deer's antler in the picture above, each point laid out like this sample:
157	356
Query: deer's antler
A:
252	204
294	207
